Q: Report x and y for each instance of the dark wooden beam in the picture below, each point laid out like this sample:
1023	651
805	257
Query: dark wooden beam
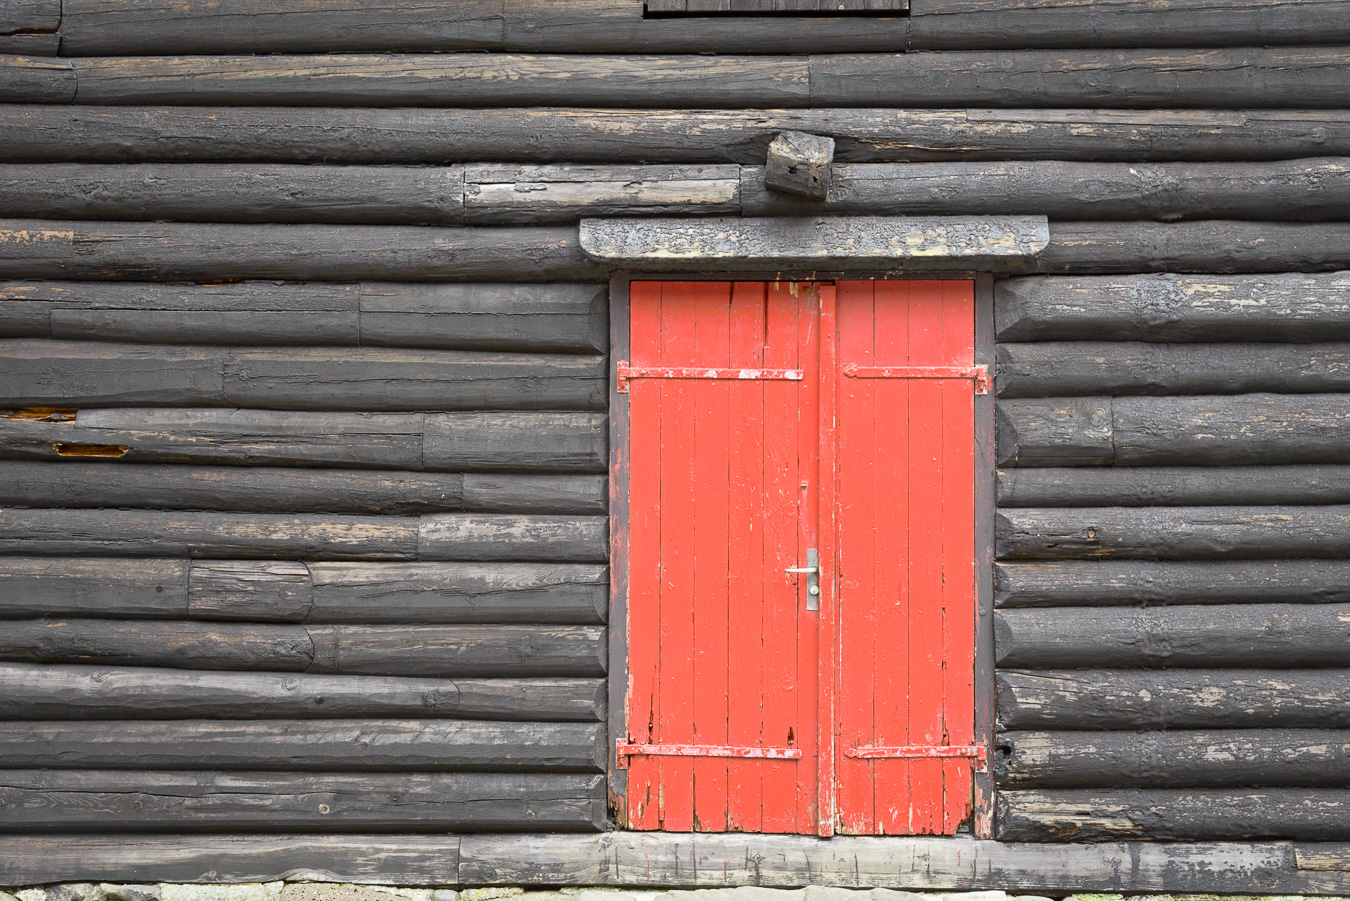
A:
1173	486
27	16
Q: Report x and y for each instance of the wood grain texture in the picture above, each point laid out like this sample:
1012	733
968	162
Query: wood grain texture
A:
1079	583
1087	815
1173	699
372	195
53	691
29	44
314	745
1220	758
993	24
140	251
1166	307
1171	486
27	16
503	536
461	650
90	800
50	133
1209	246
1303	189
1269	636
441	80
25	79
511	194
1066	368
556	442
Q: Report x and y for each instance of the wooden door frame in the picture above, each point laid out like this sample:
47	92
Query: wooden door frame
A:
982	824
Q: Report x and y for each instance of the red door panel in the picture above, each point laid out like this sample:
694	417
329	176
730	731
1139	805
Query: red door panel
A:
748	709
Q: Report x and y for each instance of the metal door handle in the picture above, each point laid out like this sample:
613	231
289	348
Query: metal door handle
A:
812	571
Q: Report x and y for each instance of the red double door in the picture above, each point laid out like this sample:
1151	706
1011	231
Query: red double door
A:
775	429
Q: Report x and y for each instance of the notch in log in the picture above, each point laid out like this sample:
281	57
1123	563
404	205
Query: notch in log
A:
799	163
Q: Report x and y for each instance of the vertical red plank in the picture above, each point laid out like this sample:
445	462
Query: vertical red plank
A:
807	621
644	552
711	472
783	423
895	523
679	530
958	551
825	517
857	512
747	517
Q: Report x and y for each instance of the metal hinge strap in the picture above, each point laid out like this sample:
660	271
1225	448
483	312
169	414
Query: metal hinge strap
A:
626	373
918	752
978	374
624	750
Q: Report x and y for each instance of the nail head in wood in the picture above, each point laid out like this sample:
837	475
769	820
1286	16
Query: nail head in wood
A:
799	163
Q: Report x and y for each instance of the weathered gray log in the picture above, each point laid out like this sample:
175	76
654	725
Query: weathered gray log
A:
23	16
95	800
503	536
1088	815
82	586
529	195
142	533
74	483
1248	635
36	80
32	248
1174	533
248	26
1214	245
1284	77
232	646
556	317
1203	430
372	195
47	692
1077	583
1066	368
1154	486
799	163
461	650
328	745
458	593
25	44
558	442
475	79
1173	699
267	591
1174	759
43	134
1306	189
1292	307
1010	24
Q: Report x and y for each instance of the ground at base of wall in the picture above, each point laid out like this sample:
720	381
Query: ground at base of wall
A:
327	891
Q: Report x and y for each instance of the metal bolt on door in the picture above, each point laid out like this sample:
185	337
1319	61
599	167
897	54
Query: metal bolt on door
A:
800	556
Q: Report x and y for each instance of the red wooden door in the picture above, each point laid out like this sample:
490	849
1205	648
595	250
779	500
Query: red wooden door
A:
759	700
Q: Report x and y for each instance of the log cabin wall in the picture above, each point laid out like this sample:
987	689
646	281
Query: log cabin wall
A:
305	504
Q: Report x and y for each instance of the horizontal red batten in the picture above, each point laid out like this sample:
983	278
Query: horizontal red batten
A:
625	749
626	372
979	374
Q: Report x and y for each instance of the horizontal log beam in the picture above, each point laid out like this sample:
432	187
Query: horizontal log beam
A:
39	372
484	651
504	317
1250	429
327	745
247	26
1288	307
27	16
1172	486
1173	699
94	800
73	483
1283	77
1090	815
1080	583
43	134
455	442
1069	368
1007	24
1213	246
1174	759
1271	636
83	693
1173	533
1305	189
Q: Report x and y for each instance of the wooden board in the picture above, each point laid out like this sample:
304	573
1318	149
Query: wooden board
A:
1173	486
